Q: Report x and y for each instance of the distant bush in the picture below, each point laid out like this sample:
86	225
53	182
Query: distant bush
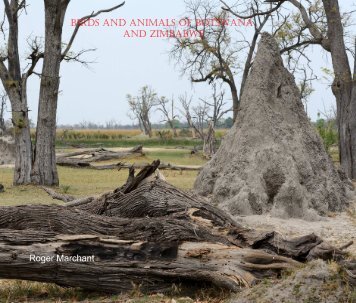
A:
89	134
228	123
185	133
328	132
219	133
164	134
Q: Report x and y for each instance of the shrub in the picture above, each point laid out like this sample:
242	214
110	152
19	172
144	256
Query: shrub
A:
328	132
186	133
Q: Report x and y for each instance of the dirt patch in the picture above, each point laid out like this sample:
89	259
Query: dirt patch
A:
272	160
316	282
337	230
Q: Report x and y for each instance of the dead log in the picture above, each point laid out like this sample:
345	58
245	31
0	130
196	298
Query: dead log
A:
120	266
163	166
148	252
123	165
85	157
57	196
145	234
350	269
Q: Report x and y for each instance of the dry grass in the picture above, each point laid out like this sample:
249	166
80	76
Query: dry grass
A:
314	282
98	133
34	292
127	138
86	182
114	133
80	183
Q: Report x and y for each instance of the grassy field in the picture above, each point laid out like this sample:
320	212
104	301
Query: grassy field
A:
128	138
33	292
86	182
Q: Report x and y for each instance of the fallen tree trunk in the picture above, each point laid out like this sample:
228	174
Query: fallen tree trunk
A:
122	165
146	234
58	196
162	166
85	157
122	265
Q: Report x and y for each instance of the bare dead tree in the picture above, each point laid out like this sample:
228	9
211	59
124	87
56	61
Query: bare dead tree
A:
3	99
38	167
185	103
196	116
44	167
289	31
204	117
14	80
217	111
210	56
166	107
216	54
141	107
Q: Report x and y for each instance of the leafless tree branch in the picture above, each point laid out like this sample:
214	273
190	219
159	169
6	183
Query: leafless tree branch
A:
81	21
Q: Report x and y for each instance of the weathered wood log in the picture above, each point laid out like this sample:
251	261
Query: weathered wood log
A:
132	183
85	157
57	196
350	270
121	265
150	252
123	165
145	234
163	166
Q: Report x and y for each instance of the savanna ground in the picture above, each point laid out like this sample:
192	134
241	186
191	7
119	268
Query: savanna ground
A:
298	286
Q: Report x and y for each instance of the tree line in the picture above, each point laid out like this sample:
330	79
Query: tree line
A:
202	117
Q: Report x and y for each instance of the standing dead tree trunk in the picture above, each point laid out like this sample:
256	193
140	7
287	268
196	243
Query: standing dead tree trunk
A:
343	88
209	56
204	118
38	167
141	107
14	81
216	106
44	168
169	116
185	103
209	147
3	98
146	234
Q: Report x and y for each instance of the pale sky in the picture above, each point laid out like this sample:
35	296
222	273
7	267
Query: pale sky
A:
124	65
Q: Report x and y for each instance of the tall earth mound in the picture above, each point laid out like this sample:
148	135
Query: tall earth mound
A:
272	160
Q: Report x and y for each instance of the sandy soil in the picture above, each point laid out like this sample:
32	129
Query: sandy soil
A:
338	229
317	282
